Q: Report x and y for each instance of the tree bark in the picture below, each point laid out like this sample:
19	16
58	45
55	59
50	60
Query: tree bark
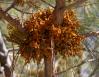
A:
58	13
48	67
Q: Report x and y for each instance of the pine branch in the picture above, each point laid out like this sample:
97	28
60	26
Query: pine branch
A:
83	62
78	65
92	34
76	4
94	71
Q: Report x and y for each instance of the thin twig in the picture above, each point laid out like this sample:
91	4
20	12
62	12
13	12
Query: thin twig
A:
78	65
93	72
5	2
22	11
71	68
11	6
11	49
89	50
48	3
13	57
91	3
37	70
91	34
16	59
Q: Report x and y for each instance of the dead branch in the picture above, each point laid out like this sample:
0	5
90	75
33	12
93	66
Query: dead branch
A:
12	21
11	6
91	34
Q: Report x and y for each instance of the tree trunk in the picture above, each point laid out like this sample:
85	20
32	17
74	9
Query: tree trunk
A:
58	13
48	67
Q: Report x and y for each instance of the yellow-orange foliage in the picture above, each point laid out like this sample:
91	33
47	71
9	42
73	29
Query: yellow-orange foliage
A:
40	29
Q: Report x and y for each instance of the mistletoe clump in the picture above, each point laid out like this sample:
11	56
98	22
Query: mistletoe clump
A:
41	33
